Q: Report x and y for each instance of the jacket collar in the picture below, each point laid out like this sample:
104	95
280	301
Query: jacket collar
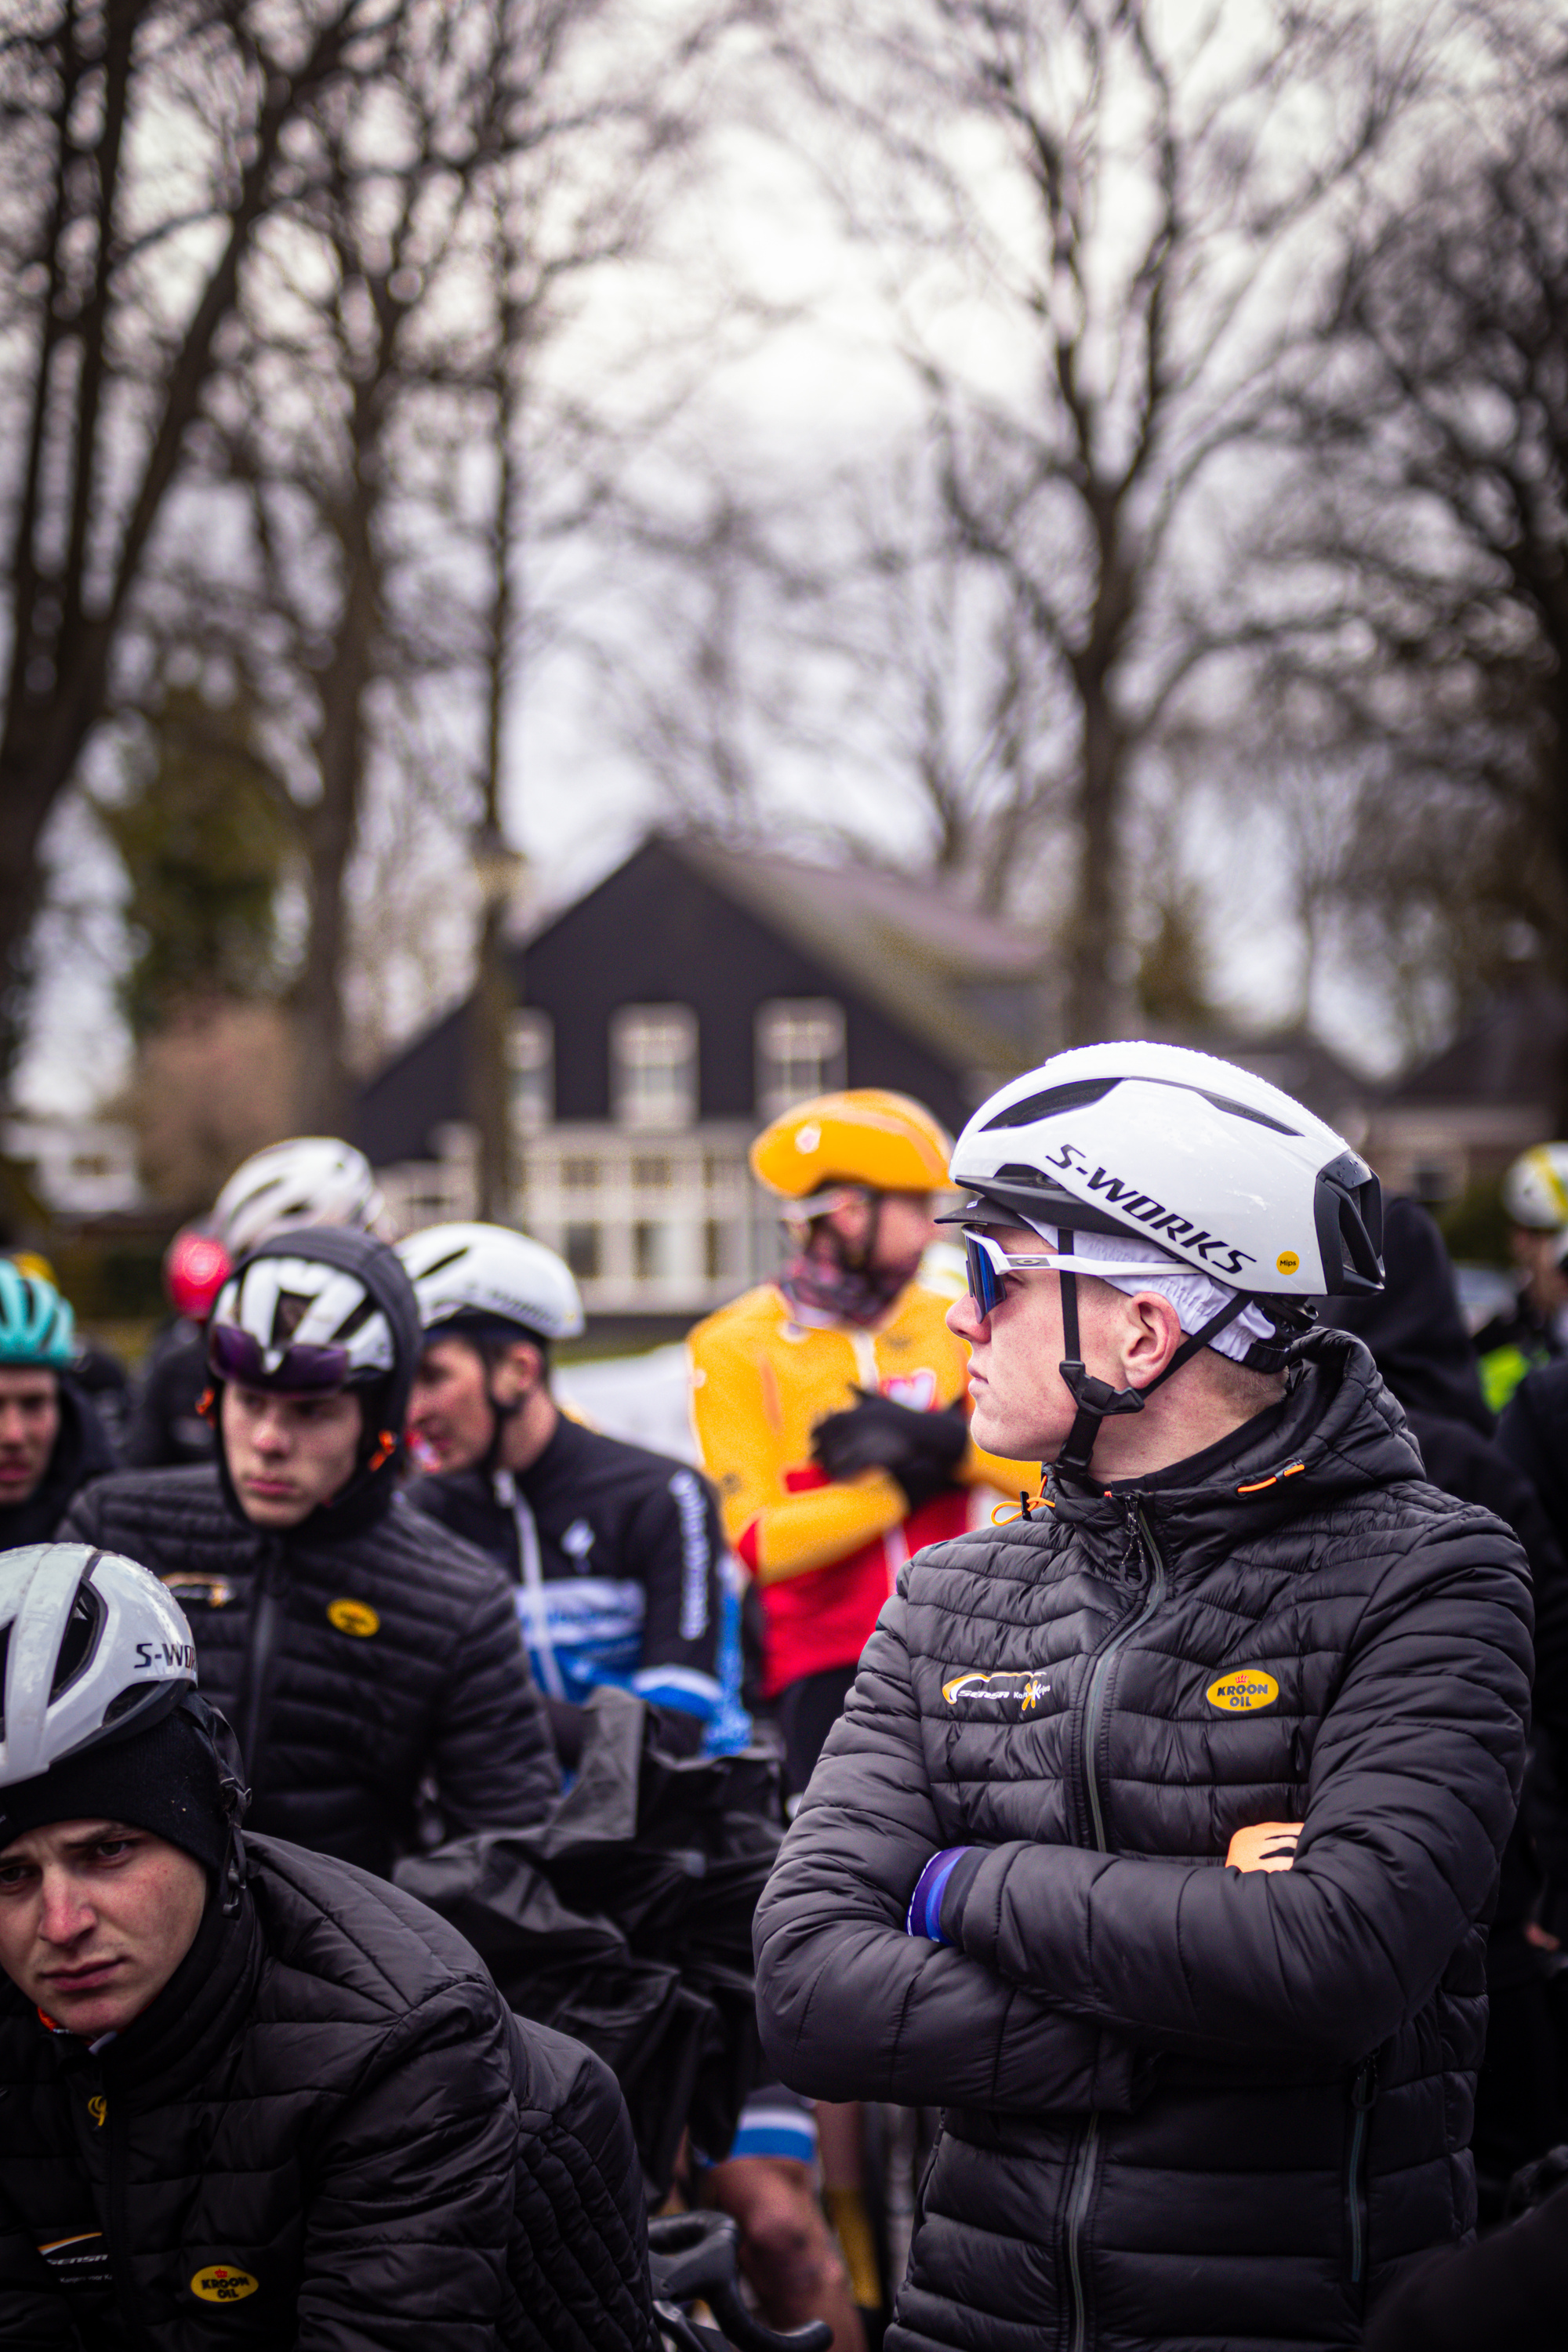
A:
1337	1431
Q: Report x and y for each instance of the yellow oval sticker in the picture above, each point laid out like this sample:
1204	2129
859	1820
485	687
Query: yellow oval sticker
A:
1288	1262
221	2282
355	1617
1243	1693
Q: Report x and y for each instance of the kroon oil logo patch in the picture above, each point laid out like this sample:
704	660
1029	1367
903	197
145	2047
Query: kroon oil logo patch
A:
1014	1694
356	1617
1244	1692
223	2283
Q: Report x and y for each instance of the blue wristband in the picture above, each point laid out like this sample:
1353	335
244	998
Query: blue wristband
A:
924	1916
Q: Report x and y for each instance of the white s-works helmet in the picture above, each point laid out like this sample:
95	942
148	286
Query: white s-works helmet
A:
1535	1190
486	1276
1213	1168
94	1648
310	1179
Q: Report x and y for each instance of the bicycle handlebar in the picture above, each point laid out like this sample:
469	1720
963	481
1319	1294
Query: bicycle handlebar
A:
691	2257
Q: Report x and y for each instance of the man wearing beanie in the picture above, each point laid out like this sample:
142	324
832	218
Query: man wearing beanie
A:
250	2092
359	1650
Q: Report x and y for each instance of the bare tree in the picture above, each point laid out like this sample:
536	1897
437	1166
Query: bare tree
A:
1099	212
1425	662
142	146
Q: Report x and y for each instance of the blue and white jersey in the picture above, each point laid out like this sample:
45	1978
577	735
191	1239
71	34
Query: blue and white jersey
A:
622	1574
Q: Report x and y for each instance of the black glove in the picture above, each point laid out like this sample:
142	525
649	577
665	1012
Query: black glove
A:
920	1449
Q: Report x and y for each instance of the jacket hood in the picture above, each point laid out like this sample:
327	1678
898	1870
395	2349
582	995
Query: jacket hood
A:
369	1494
1337	1431
1414	1326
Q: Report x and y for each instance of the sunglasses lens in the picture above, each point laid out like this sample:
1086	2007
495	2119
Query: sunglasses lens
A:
983	1286
234	1355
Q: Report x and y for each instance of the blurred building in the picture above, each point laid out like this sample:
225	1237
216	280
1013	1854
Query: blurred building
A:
77	1167
659	1019
697	991
1455	1122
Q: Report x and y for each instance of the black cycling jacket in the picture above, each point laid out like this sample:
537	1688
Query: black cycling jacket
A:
1185	2106
327	2133
349	1668
615	1551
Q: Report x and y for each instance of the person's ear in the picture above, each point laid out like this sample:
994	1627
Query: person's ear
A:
516	1374
1150	1335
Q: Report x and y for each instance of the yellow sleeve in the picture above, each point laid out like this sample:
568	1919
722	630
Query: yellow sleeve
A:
775	1533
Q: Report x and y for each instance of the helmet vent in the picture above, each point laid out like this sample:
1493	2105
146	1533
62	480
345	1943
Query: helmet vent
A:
1076	1097
79	1641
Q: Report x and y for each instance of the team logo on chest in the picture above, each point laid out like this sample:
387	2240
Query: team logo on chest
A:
1002	1694
1244	1692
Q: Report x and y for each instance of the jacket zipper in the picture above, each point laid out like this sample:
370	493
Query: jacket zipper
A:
266	1618
118	2236
1364	2091
1088	2154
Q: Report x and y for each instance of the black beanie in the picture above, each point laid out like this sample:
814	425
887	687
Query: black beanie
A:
164	1779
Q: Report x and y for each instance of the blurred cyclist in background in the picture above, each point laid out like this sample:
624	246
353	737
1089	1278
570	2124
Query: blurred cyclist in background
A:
97	1371
830	1403
1535	1331
51	1440
831	1409
615	1550
309	1180
166	1427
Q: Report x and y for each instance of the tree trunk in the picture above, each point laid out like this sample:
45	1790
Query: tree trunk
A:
1094	990
330	826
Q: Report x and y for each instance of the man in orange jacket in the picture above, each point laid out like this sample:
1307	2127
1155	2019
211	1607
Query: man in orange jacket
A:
831	1407
831	1402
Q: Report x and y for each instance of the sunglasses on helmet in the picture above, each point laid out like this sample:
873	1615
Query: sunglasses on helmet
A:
234	1354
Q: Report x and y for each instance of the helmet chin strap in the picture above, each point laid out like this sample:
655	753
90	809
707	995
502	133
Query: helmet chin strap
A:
1095	1400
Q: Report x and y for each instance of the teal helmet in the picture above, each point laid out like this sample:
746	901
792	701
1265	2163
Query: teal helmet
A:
36	1327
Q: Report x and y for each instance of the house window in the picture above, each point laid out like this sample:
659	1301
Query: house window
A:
531	1069
800	1051
651	1175
654	1055
717	1249
579	1175
653	1250
582	1251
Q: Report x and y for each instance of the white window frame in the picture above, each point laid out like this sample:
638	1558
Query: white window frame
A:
648	1040
785	1074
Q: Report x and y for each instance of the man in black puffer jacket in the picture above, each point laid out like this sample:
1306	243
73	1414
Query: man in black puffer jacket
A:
1186	2103
251	2094
355	1646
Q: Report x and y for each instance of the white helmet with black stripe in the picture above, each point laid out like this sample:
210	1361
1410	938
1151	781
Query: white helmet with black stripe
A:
1183	1158
94	1649
310	1179
298	1324
485	1277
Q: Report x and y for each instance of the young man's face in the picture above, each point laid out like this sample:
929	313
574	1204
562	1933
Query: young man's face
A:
1545	1283
95	1918
289	1454
1023	1410
904	1228
29	1424
451	1417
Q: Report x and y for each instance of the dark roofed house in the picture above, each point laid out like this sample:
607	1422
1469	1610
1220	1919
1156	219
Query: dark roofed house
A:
689	996
662	1016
